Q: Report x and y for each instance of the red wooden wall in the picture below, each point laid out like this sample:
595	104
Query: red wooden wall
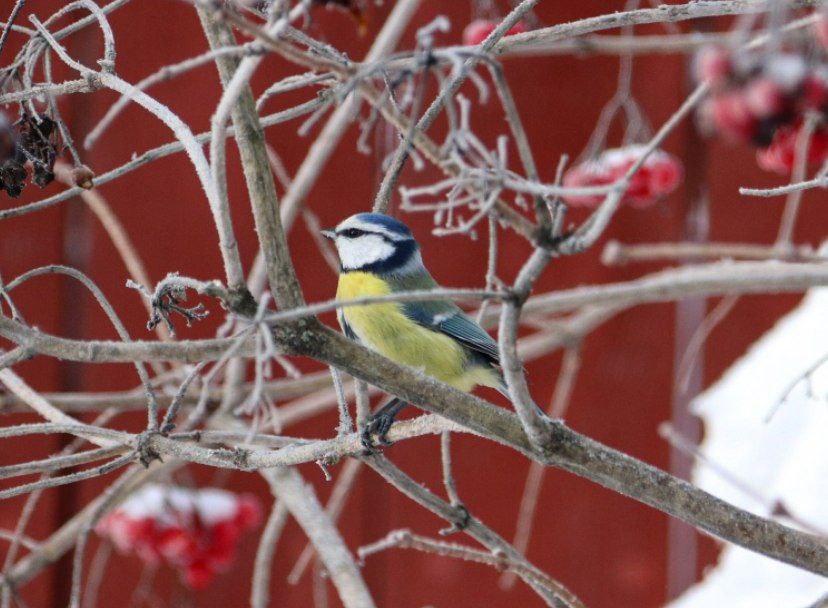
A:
610	550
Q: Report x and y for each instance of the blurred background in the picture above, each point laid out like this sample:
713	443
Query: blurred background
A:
610	550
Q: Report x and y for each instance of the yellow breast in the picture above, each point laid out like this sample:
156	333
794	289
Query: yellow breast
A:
385	329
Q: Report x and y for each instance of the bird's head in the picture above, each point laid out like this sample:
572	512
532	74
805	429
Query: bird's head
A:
373	242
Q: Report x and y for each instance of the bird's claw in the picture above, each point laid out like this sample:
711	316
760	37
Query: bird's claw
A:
366	441
378	425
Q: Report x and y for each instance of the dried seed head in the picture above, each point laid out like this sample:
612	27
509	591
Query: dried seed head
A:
36	143
43	174
12	176
8	139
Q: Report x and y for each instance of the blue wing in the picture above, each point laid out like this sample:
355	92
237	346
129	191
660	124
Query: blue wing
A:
447	318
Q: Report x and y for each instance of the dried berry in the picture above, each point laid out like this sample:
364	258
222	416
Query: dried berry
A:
12	170
43	175
8	139
35	138
12	176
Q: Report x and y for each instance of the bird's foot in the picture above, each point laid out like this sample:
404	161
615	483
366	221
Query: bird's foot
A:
379	424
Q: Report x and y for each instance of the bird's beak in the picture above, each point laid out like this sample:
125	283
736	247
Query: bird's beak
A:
328	234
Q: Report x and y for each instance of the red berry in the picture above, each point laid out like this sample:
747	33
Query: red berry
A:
589	173
198	575
249	512
815	90
713	65
195	531
731	116
479	29
655	180
658	176
780	155
175	545
225	533
764	98
220	557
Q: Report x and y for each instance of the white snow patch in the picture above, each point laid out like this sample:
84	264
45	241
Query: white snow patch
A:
786	70
163	503
785	459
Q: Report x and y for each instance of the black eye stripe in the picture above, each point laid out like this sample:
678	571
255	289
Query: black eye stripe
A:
352	233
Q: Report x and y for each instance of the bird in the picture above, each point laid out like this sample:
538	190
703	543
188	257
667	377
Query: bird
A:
379	256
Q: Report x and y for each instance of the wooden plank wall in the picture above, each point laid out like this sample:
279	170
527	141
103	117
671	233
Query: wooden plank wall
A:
608	549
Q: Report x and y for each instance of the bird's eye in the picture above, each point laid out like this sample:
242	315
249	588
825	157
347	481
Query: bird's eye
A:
353	233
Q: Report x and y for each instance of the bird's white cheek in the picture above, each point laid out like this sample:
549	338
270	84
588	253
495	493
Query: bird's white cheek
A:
359	252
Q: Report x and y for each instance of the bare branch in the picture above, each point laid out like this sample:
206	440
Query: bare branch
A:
300	499
404	539
260	592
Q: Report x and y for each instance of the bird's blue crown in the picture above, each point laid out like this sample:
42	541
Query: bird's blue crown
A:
385	221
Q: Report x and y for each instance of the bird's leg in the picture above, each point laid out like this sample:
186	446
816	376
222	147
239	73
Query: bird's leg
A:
380	422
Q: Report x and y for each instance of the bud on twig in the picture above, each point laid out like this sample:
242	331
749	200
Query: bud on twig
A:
82	177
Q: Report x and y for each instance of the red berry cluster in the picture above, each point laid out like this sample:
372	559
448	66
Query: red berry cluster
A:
194	531
763	101
660	174
479	29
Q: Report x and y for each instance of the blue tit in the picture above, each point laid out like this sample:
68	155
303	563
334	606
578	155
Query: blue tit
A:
379	256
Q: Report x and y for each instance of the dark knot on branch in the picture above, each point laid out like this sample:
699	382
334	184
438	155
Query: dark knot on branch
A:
241	301
238	458
555	441
144	449
459	521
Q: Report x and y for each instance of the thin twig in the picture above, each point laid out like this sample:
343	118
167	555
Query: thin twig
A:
260	589
404	539
555	595
616	253
339	495
800	168
300	499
